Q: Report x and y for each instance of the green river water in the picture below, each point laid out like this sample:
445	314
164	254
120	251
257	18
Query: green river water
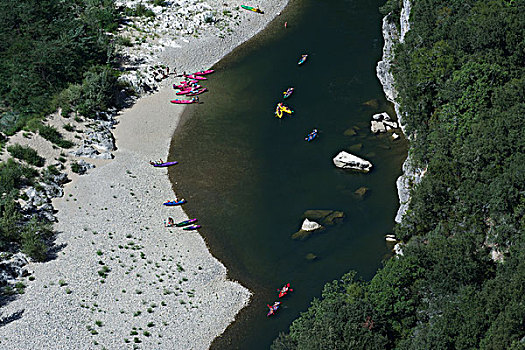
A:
249	176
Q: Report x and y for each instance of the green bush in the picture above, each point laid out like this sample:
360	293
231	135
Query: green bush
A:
140	10
13	176
75	167
26	154
51	134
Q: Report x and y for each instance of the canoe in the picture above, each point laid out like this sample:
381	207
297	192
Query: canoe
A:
204	72
288	92
177	101
196	92
192	227
302	60
185	222
285	290
311	135
172	203
165	164
273	308
254	9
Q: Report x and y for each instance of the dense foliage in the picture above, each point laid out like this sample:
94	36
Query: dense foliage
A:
461	83
45	45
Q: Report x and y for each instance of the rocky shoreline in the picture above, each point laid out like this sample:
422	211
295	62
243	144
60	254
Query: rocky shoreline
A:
120	278
411	175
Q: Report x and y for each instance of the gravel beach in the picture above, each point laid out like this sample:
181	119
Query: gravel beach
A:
121	279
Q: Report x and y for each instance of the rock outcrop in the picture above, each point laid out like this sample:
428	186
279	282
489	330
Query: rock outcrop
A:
346	160
316	220
411	175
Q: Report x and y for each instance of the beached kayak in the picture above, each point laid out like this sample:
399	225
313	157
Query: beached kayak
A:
302	60
204	72
254	9
196	77
164	164
175	202
288	92
192	227
195	92
176	101
185	222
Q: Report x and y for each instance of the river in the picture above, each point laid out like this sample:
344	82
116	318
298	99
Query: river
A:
249	176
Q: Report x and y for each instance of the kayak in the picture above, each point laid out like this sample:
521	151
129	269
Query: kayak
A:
185	222
280	109
196	77
177	101
254	9
184	92
195	92
164	164
273	308
172	203
311	135
204	72
288	92
279	113
302	60
285	290
192	227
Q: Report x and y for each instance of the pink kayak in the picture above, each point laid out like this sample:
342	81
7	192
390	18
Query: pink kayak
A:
184	92
204	72
198	77
177	101
197	92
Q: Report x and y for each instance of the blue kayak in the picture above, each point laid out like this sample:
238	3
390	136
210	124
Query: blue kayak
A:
172	203
311	135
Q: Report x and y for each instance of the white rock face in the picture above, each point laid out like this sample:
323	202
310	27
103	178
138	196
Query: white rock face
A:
411	177
395	136
310	225
398	249
346	160
404	20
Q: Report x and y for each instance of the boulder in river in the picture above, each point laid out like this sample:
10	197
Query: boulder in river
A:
307	229
325	217
346	160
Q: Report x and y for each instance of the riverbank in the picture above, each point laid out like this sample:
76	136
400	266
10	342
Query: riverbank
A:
119	276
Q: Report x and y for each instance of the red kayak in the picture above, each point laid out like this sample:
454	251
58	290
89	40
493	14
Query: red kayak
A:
204	72
285	290
177	101
184	92
197	92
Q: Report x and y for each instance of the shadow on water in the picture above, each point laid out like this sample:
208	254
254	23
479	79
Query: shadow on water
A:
249	177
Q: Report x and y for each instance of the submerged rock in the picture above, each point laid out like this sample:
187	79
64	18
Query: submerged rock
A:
310	257
350	132
356	147
346	160
361	192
